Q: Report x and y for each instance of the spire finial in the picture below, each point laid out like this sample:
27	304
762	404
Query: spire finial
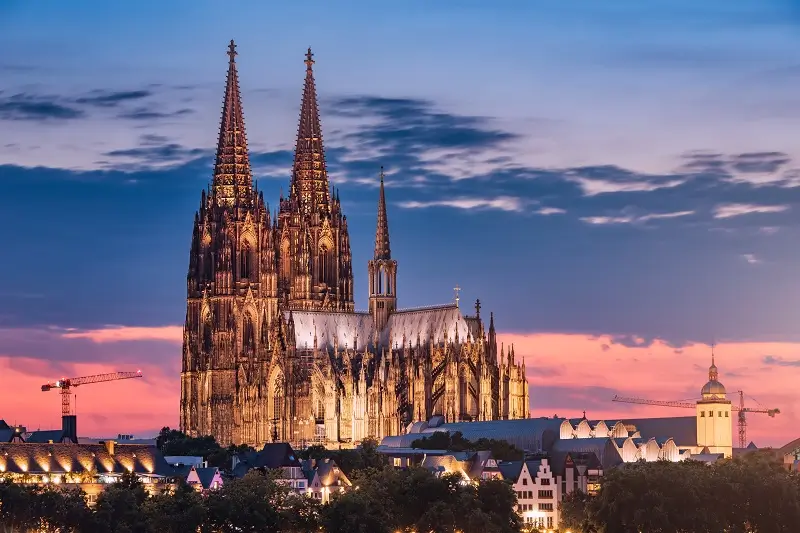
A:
232	53
457	289
309	58
382	246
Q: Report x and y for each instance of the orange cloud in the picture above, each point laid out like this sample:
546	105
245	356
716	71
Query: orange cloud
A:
570	372
126	334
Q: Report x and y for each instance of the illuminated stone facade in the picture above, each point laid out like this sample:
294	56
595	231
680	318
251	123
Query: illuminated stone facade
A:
273	349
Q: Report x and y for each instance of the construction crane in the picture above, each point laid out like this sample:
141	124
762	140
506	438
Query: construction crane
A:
693	405
66	384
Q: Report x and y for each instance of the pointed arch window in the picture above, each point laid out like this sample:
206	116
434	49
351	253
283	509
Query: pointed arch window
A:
277	398
248	337
246	262
286	259
207	335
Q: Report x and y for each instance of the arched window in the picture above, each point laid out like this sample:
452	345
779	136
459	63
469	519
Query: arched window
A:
207	338
463	392
277	398
286	259
248	337
246	261
208	262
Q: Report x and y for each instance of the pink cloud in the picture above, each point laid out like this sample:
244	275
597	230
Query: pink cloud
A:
567	373
103	409
577	372
127	334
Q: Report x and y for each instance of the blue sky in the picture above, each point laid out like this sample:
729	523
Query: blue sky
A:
613	168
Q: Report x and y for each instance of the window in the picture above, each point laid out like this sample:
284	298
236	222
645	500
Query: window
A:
711	413
702	414
545	506
549	522
547	494
720	414
544	481
524	481
726	414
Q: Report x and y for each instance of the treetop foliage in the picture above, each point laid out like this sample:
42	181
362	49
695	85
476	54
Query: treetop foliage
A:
442	440
174	442
747	495
381	501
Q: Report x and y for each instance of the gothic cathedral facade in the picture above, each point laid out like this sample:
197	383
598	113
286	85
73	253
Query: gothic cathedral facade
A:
273	349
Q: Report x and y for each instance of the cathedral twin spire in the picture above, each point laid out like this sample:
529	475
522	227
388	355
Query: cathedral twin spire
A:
233	181
309	175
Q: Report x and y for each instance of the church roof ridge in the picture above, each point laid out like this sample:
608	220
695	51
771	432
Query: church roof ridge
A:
426	308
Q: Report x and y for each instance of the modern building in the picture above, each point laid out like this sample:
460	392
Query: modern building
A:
273	348
88	466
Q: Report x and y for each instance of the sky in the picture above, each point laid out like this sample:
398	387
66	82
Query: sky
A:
619	182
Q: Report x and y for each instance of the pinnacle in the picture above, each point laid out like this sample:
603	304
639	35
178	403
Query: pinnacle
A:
382	249
232	177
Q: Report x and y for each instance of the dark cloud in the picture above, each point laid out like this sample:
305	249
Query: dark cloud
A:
760	162
726	165
406	124
36	108
149	113
780	361
112	99
164	153
157	149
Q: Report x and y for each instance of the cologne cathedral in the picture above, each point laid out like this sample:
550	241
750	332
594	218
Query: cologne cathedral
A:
273	349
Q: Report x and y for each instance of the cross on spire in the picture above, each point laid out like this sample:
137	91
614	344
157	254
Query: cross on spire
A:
232	50
309	58
478	308
457	289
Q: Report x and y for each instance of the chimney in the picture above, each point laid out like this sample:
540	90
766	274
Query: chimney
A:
69	429
110	446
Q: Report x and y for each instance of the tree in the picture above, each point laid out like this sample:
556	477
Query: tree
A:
174	442
442	440
247	504
177	512
574	513
300	514
17	511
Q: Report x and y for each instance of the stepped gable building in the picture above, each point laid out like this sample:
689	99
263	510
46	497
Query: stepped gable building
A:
273	348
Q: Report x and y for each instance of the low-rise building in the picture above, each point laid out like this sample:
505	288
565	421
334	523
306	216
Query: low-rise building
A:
325	479
203	479
278	457
538	491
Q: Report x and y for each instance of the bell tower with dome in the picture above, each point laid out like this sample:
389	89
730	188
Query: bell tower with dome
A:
714	420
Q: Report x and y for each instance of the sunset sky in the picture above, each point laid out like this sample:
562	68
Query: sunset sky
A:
618	181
